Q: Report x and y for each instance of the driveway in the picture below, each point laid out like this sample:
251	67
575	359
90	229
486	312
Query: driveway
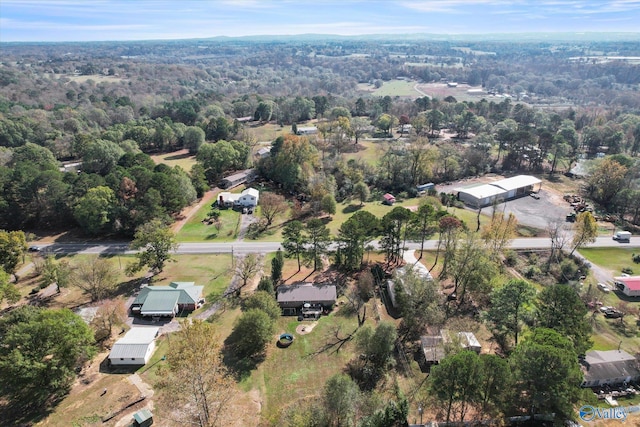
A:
245	221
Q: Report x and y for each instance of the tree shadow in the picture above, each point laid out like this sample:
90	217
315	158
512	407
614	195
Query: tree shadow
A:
239	367
351	208
179	156
211	236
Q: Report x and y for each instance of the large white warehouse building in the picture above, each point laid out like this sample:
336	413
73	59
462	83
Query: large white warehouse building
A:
505	189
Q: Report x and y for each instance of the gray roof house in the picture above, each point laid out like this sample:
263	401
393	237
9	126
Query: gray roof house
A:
167	300
135	348
299	296
609	367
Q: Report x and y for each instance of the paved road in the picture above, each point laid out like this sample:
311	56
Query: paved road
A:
242	248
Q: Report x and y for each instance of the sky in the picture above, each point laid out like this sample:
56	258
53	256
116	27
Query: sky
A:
95	20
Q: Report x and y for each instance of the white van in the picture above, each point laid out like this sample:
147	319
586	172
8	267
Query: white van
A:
622	236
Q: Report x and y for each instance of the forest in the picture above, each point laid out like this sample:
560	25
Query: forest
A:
81	124
109	105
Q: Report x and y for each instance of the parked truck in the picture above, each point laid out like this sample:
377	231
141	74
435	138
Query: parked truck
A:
622	236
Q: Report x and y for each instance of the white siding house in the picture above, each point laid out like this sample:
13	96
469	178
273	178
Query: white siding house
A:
135	348
249	198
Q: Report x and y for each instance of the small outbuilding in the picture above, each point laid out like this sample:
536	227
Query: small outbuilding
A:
422	188
388	199
239	178
306	297
135	348
630	286
143	418
306	130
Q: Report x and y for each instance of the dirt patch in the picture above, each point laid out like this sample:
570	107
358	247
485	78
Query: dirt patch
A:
305	328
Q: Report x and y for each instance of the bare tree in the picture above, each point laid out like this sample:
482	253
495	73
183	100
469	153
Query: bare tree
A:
110	313
560	236
96	276
247	268
272	205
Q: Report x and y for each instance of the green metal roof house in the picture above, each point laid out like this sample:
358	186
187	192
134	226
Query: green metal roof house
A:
167	301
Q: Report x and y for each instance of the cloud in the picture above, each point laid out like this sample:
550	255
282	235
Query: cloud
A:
450	6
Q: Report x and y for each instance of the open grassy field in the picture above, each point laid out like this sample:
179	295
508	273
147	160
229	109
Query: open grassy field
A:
180	158
370	153
268	131
611	258
396	88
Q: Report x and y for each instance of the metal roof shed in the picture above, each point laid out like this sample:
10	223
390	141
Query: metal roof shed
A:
143	418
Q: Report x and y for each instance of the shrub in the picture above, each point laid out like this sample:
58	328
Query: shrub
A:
532	272
627	270
636	258
511	258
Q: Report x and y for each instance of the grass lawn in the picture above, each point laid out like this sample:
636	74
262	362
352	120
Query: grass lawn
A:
397	88
292	375
371	153
268	132
178	158
197	231
611	258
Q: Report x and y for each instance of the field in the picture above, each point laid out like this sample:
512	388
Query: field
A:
392	88
180	158
460	93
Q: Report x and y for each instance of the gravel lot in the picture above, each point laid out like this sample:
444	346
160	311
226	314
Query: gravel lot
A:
529	211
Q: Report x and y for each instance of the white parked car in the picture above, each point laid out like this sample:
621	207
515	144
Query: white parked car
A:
604	288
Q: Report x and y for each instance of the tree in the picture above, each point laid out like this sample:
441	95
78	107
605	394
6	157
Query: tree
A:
8	290
353	236
58	272
293	240
195	383
317	237
586	231
393	226
340	398
423	224
154	242
472	269
96	276
455	382
328	204
271	206
606	180
263	301
266	285
276	267
361	191
377	347
419	302
193	138
101	156
94	210
40	350
359	126
110	313
495	384
499	232
450	228
13	245
247	267
251	333
559	308
547	374
510	307
385	123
